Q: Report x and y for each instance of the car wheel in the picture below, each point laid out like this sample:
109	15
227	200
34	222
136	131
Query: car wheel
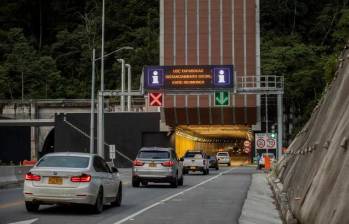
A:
174	182
31	206
135	183
185	172
145	183
98	206
228	164
118	198
217	167
180	181
204	172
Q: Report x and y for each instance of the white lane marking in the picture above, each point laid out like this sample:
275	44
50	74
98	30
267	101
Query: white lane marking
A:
25	221
131	217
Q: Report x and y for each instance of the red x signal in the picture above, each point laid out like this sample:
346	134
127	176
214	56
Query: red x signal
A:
155	99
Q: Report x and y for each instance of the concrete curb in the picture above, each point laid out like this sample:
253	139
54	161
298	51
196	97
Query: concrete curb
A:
12	176
282	200
259	206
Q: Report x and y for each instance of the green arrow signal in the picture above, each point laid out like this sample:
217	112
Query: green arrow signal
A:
222	98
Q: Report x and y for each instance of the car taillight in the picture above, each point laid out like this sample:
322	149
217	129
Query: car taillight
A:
138	163
82	178
32	177
168	163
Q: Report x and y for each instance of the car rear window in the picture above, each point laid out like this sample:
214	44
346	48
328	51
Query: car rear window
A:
154	155
193	154
64	161
223	154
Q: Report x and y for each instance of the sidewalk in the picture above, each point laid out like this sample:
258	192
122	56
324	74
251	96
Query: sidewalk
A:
259	207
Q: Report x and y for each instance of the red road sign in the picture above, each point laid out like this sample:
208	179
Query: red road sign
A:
260	143
247	144
265	141
155	99
271	143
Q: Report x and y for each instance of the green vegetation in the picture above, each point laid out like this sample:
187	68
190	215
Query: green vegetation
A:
50	44
301	40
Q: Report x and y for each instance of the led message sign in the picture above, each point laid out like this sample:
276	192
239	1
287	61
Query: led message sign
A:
188	77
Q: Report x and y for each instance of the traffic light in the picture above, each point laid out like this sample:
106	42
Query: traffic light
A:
273	134
222	99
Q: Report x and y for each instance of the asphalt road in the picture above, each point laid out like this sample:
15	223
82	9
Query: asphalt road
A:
215	198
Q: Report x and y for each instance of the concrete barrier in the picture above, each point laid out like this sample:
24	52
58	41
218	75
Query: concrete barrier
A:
12	175
311	180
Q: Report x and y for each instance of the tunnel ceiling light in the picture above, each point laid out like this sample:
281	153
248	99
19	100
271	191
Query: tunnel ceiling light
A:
218	131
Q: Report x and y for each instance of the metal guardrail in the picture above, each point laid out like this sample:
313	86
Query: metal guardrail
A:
27	122
260	84
135	99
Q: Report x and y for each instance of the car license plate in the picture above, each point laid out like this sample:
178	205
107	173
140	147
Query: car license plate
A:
193	168
152	164
55	180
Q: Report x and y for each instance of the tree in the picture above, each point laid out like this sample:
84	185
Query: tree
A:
19	62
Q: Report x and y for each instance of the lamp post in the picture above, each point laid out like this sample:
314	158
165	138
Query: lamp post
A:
122	100
92	119
100	103
128	66
100	97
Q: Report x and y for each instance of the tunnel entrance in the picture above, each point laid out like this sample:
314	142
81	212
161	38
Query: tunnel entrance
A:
215	138
49	143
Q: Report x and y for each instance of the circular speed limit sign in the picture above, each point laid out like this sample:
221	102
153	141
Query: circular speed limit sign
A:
260	143
247	144
271	143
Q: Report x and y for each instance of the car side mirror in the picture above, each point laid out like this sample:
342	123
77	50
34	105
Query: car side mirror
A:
114	170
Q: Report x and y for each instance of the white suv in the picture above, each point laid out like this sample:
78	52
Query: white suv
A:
196	161
223	158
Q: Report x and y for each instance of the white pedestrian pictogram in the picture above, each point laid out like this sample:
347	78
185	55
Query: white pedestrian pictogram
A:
155	77
221	76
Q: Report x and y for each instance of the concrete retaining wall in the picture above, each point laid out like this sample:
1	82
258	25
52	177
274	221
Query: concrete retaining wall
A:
12	175
312	180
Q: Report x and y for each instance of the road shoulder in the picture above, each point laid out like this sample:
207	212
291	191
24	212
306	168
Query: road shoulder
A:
259	206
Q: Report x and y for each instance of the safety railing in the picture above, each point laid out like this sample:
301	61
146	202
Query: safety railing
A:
274	84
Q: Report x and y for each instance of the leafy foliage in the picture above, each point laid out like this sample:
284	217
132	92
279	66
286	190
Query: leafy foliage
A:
301	41
51	44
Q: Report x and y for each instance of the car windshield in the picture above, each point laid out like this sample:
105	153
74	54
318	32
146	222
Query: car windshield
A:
64	161
223	154
193	154
154	155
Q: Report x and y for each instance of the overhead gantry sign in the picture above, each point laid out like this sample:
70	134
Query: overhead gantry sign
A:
188	78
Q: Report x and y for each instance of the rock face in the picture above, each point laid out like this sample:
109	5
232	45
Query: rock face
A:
315	172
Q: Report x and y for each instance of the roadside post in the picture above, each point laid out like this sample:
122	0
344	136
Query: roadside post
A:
112	153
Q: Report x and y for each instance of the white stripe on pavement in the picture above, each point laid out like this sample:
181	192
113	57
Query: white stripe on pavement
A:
25	221
170	197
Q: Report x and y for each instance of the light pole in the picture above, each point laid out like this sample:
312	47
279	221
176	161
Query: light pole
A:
100	97
92	119
122	100
100	130
128	66
266	120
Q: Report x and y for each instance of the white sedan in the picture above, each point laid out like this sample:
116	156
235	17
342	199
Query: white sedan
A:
72	178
